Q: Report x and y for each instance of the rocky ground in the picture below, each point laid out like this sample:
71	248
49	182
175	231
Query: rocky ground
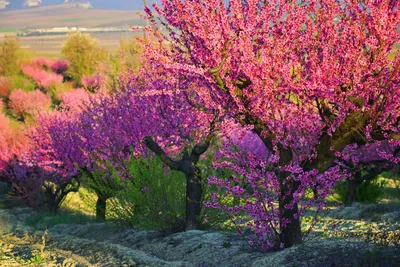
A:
365	236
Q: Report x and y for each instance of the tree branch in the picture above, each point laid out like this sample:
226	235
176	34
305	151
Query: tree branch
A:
153	146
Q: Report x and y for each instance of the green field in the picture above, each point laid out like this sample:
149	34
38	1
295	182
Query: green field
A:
6	30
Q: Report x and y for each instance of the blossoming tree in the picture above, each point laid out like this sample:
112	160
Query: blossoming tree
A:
309	77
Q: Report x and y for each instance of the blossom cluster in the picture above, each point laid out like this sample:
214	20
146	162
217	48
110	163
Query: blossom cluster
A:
43	78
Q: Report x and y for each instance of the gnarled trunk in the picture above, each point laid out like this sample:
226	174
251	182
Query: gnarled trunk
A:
194	193
291	230
188	165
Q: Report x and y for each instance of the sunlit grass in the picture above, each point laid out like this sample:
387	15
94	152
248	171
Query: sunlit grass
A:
83	202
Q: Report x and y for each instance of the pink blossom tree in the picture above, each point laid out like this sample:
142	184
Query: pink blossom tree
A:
309	77
146	114
44	173
25	104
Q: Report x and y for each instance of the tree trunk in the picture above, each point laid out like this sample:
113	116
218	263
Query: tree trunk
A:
193	198
52	206
101	209
291	233
187	165
351	192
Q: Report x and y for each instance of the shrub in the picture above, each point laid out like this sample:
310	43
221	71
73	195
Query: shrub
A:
12	142
156	198
129	55
370	191
9	58
56	65
367	191
84	53
45	80
60	66
25	104
74	100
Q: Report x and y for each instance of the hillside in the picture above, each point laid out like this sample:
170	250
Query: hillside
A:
67	15
101	4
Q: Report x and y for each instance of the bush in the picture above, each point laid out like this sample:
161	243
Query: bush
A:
367	191
60	66
84	54
27	104
56	65
154	198
9	58
45	80
74	100
370	191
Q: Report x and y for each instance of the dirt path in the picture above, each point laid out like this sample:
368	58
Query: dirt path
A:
103	244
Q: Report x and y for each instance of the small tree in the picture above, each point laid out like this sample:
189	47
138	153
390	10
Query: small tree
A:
27	104
84	54
9	57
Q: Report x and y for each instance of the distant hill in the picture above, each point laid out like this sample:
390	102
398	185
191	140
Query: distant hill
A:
76	14
100	4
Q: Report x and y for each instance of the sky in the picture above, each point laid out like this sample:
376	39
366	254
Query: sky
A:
102	4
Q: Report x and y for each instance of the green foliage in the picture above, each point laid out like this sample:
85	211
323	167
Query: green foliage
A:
213	218
102	181
129	53
367	191
22	82
154	198
84	54
370	191
393	183
35	259
341	191
9	56
126	58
